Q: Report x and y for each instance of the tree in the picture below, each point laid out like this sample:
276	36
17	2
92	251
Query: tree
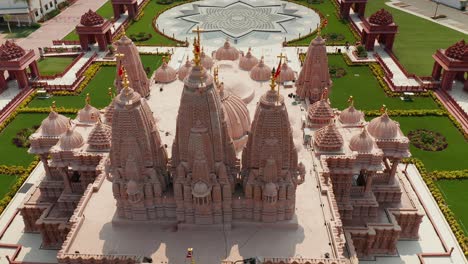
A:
7	18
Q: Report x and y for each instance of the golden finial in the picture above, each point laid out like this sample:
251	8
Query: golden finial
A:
383	109
325	93
216	75
273	81
318	29
125	81
119	55
88	99
53	107
109	92
351	100
196	46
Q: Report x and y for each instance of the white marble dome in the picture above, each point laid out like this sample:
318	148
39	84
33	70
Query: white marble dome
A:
206	61
71	140
165	73
88	114
54	125
237	118
260	72
362	142
227	52
185	69
248	61
383	127
351	116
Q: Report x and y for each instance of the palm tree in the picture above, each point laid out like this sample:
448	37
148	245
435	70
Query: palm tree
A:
7	18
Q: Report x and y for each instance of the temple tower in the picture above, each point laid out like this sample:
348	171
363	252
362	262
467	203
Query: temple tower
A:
138	160
314	76
128	57
204	162
269	162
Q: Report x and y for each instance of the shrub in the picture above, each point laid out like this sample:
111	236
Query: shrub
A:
427	140
21	139
35	25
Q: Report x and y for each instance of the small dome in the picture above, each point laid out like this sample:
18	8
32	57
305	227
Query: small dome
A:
132	188
71	140
248	61
227	52
109	112
10	51
458	51
270	190
318	41
54	125
286	74
205	60
383	127
328	138
260	72
200	189
88	114
91	18
351	116
165	73
237	118
320	112
381	17
362	143
185	70
100	137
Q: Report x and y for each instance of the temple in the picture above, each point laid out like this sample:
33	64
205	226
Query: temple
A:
16	61
314	76
128	57
306	182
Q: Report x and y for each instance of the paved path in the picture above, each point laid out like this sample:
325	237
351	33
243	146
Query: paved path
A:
456	19
9	94
59	26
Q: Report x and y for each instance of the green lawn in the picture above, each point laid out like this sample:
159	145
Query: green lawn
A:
97	87
16	32
417	38
145	24
335	24
364	87
54	65
454	192
11	154
447	159
105	11
6	181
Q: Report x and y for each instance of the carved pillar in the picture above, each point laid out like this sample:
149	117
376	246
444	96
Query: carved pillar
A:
344	10
132	10
101	42
389	39
447	80
360	9
394	167
109	36
22	79
3	82
34	69
84	41
436	71
117	11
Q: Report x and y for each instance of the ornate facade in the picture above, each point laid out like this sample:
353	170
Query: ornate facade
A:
314	77
269	162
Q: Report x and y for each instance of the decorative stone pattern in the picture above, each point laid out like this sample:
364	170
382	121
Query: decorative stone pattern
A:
320	113
239	18
458	51
138	160
204	162
91	18
10	51
381	17
269	163
328	138
314	76
131	61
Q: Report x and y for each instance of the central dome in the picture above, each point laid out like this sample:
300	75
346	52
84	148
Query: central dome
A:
383	127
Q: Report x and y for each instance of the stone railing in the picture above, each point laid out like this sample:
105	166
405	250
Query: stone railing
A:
387	70
65	42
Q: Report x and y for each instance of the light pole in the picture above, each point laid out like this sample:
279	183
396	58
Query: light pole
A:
437	7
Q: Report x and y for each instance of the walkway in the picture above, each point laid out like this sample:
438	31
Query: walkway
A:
59	26
10	93
456	19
